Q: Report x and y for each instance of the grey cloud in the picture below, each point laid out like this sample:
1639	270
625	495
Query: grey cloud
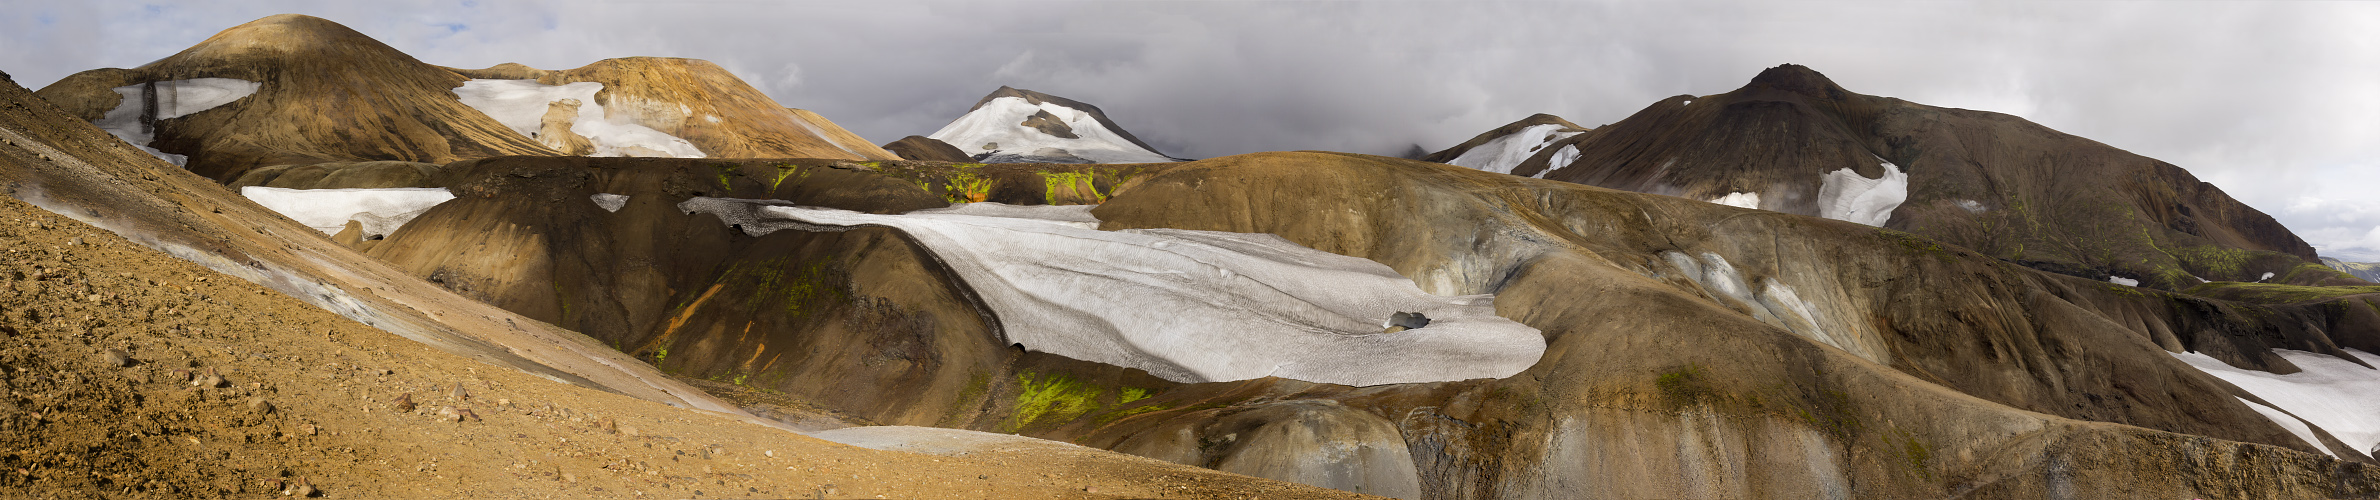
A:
2270	100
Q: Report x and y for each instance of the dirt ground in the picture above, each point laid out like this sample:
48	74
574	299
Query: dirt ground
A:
102	339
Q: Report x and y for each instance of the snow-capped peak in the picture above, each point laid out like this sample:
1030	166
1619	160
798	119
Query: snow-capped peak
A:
1017	126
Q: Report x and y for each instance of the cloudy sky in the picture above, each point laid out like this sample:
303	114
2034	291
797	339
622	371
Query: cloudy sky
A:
2278	103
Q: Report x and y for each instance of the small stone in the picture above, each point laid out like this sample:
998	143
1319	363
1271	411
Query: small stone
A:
459	394
308	429
404	402
607	425
630	431
209	379
259	405
115	357
299	488
178	375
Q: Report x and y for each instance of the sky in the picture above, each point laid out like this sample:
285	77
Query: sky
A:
2277	103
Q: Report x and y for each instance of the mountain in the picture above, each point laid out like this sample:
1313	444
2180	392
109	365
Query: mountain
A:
169	339
1515	148
2363	270
1808	334
289	89
922	148
1793	141
1022	126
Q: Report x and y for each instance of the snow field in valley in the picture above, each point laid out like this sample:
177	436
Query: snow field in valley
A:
521	105
2337	395
1000	123
1188	306
380	211
175	99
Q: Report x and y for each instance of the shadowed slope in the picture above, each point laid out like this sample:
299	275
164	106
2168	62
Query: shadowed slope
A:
1992	182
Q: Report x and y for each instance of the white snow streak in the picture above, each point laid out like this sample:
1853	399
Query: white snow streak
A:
1501	154
521	105
2331	393
1190	306
2123	281
609	202
999	123
175	99
1845	195
1739	200
1776	304
381	211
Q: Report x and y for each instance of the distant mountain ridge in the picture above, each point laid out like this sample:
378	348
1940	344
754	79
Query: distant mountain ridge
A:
1793	141
310	81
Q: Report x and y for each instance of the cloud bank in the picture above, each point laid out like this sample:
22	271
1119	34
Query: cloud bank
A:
2271	101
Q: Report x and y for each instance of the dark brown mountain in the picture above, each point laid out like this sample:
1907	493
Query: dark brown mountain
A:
922	148
1996	183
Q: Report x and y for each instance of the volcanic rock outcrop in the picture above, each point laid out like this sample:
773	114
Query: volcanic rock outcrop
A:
1022	126
292	90
1793	141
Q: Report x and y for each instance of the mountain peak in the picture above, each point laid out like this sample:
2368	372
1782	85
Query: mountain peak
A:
286	33
1797	79
1049	125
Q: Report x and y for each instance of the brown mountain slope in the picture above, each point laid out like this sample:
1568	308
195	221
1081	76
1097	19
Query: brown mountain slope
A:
313	375
1920	370
319	81
1992	182
922	148
702	103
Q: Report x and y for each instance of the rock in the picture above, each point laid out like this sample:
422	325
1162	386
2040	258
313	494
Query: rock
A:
115	357
404	402
259	405
459	394
299	488
607	425
209	379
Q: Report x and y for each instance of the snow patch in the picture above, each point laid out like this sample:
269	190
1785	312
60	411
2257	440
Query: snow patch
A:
1501	154
175	99
1561	158
1739	200
2292	424
1971	206
2266	276
2123	281
2334	394
999	125
381	211
1188	306
1845	195
521	106
1775	304
1688	102
609	202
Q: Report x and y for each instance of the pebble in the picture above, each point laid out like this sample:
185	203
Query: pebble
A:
404	402
115	357
459	394
259	405
299	488
210	379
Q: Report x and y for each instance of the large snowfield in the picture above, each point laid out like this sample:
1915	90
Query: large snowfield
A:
380	211
1000	123
175	99
1502	154
2334	394
521	105
1188	306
